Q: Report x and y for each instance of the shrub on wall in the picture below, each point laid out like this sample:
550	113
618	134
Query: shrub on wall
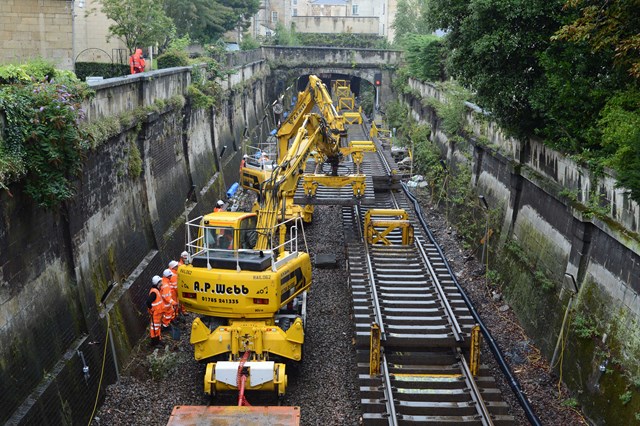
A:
173	58
100	69
42	142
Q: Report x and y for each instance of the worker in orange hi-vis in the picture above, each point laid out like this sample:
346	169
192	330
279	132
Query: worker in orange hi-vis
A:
243	163
219	206
184	258
137	62
155	305
169	302
173	282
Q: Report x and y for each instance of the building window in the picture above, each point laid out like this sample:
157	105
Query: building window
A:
354	9
294	12
383	8
274	16
295	2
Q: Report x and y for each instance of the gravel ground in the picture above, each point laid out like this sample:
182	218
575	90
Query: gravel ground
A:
324	385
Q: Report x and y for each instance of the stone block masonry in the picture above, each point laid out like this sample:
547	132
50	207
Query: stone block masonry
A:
557	237
123	226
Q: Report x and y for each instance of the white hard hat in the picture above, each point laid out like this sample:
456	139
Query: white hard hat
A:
245	156
220	203
156	279
167	273
184	254
173	264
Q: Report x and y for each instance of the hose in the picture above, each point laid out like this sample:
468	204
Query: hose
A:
513	381
240	381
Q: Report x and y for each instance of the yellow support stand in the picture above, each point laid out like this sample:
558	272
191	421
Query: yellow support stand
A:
346	102
374	350
398	220
352	117
474	356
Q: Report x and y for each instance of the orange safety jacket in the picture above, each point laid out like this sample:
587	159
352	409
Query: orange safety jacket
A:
174	288
136	62
156	311
169	302
173	283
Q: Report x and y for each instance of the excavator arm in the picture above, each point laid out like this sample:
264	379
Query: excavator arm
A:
314	95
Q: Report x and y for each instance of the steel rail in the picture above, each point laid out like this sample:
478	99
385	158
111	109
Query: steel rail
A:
493	346
455	326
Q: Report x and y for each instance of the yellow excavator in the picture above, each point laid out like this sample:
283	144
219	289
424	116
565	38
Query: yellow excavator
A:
251	269
256	170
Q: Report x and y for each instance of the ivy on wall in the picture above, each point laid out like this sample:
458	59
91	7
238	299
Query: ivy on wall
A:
41	141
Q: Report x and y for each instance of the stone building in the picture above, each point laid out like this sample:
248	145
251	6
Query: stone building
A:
60	31
374	17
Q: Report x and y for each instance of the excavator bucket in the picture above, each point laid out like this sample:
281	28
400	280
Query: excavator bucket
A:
185	415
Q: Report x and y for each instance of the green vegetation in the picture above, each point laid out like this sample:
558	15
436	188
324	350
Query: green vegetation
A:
585	326
248	42
290	37
100	69
103	129
206	21
425	57
161	365
570	402
42	142
137	22
563	70
625	398
173	58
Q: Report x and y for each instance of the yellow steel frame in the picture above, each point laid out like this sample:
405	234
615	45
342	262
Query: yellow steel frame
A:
310	183
342	91
346	102
356	149
259	337
400	220
352	117
374	350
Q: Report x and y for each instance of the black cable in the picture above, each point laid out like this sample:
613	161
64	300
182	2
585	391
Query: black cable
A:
513	381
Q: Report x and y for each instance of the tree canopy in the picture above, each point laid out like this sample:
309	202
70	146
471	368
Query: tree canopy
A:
137	23
564	70
207	20
611	25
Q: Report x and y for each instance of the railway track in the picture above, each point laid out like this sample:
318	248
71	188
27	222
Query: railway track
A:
425	328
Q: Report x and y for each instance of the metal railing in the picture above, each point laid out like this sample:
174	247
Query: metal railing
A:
204	241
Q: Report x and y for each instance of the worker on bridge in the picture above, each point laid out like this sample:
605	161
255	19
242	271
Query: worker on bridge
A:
155	305
137	62
184	258
219	206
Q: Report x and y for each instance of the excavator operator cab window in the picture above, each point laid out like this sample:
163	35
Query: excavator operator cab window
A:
225	238
248	233
219	238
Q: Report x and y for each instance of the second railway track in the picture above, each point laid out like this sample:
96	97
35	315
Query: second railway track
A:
424	325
